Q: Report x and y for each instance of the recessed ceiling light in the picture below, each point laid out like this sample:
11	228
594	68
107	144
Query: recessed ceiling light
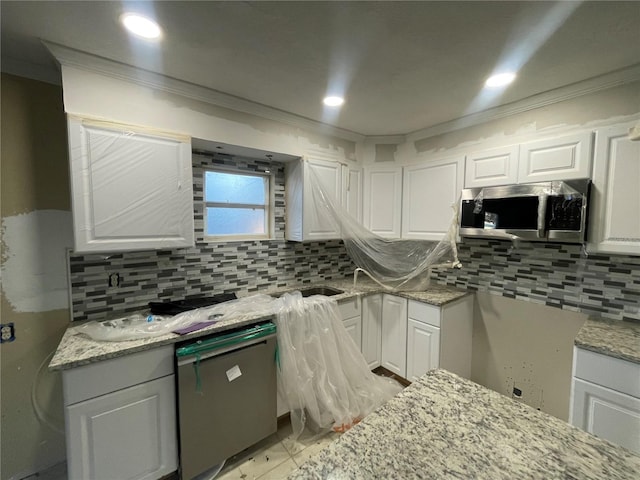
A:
141	26
500	79
333	101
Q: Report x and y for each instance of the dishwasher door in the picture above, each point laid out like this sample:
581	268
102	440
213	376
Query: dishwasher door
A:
226	396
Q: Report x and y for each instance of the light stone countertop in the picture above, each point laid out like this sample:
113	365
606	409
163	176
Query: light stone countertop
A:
443	426
76	350
614	338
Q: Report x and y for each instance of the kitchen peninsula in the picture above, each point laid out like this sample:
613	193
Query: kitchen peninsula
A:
443	426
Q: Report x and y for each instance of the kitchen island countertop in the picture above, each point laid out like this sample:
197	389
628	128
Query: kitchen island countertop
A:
75	350
443	426
614	338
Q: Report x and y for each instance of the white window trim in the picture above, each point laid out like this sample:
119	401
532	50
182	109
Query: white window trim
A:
267	207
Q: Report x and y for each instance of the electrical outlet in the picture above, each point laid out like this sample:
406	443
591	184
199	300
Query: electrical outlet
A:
8	332
114	280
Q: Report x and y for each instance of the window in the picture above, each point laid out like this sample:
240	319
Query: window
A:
236	205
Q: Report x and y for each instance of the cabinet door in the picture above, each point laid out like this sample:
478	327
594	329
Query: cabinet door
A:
615	222
131	190
353	326
372	330
561	158
423	348
318	223
383	200
606	413
394	334
352	191
429	194
128	434
497	166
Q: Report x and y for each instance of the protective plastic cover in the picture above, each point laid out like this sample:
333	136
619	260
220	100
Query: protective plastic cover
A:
395	264
323	378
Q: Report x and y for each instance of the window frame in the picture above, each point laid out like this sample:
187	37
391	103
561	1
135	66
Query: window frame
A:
269	214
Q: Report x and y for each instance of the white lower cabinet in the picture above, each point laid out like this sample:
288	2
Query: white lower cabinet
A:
351	313
423	348
394	334
372	330
606	398
127	433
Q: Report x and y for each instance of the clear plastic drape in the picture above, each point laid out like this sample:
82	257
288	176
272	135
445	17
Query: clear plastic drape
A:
395	264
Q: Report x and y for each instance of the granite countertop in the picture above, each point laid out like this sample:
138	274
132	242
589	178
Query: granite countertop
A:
443	426
613	338
75	350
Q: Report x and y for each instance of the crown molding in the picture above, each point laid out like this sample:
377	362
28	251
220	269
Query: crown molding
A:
574	90
75	58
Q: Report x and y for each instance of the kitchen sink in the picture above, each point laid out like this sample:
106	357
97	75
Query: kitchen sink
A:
326	291
309	291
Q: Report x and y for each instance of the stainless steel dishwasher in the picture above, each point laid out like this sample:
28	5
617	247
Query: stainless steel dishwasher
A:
226	396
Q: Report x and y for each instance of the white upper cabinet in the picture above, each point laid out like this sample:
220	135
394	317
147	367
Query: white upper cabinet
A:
383	200
430	192
352	191
308	214
560	158
615	199
131	189
496	166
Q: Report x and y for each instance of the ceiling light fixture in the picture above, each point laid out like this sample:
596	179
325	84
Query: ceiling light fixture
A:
500	79
141	26
333	101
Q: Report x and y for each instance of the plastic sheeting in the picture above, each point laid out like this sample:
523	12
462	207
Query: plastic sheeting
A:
395	264
323	377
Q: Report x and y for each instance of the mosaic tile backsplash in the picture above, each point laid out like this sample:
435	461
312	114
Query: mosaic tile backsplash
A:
557	275
553	274
209	267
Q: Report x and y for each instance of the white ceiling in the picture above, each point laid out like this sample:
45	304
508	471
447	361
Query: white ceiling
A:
402	66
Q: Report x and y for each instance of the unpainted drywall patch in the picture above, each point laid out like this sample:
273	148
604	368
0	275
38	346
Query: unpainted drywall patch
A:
34	267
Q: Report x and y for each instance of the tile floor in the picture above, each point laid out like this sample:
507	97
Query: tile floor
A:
274	458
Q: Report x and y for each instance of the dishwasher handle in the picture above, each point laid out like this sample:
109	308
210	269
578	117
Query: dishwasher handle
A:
201	355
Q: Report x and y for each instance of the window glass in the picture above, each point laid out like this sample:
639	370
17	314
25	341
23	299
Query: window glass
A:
235	221
236	205
234	188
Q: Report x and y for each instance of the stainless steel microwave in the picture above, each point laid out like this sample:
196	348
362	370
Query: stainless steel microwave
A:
545	211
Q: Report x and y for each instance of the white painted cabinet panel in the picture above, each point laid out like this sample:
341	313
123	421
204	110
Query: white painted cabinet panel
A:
560	158
307	215
319	225
372	330
605	397
430	191
351	313
607	413
352	191
128	434
131	189
383	200
615	199
423	348
394	334
496	166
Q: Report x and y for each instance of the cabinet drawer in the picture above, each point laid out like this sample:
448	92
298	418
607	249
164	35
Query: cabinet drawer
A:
424	313
349	308
610	372
107	376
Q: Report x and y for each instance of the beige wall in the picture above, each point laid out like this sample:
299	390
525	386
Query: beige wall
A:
35	186
525	345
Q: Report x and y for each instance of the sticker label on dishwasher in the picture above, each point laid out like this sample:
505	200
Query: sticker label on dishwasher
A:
233	373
